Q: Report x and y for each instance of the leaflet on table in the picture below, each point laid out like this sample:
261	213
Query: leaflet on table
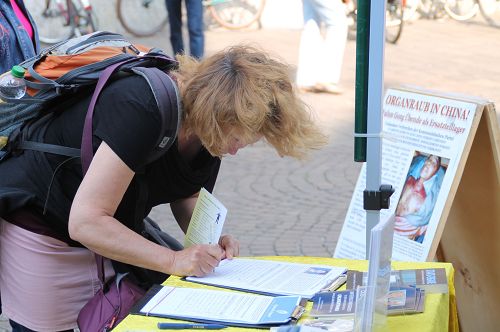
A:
225	307
432	280
343	304
327	324
424	139
271	277
207	220
318	325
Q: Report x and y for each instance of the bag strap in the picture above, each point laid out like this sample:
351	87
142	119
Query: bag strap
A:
86	152
48	148
167	98
100	268
162	92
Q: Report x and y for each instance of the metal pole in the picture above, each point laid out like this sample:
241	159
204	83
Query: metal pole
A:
375	97
362	69
374	129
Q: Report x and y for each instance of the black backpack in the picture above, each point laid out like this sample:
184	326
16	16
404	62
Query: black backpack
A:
84	62
105	56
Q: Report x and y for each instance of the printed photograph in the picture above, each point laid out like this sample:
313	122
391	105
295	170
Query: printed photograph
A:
418	197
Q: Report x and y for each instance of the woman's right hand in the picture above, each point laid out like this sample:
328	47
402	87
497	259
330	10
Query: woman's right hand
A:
198	260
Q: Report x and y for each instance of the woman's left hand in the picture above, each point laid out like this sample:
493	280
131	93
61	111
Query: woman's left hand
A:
230	245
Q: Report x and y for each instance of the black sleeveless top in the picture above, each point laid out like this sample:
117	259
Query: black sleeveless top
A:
127	119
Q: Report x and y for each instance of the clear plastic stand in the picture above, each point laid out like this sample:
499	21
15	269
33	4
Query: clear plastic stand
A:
371	301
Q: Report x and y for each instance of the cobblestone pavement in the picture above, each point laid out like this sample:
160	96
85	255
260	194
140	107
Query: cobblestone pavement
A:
284	207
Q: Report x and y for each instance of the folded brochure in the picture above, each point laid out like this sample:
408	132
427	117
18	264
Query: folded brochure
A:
219	306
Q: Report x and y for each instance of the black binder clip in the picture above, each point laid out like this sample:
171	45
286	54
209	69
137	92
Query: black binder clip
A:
377	200
297	313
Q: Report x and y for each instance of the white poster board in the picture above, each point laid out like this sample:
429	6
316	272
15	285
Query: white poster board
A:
424	139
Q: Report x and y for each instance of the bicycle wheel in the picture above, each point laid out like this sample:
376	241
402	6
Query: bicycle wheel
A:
461	10
142	18
393	21
236	14
51	18
490	9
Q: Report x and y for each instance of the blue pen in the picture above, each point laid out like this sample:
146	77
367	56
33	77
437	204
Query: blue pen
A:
182	326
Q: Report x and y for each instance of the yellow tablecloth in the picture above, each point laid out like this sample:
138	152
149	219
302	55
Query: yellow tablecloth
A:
440	309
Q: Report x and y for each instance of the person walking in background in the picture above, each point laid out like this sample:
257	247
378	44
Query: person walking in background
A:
18	34
320	57
194	10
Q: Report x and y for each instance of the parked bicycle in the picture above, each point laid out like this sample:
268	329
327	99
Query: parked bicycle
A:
393	19
58	20
144	18
460	10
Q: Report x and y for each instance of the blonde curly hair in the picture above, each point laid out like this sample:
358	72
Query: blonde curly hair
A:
244	89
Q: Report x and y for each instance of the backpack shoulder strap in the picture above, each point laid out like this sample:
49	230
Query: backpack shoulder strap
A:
167	98
163	88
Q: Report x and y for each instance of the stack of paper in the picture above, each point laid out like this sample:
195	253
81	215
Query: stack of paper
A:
217	306
405	300
272	277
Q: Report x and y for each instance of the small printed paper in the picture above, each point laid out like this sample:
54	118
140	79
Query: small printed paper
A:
207	220
219	306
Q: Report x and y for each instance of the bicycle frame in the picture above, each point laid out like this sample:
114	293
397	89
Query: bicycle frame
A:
68	9
392	7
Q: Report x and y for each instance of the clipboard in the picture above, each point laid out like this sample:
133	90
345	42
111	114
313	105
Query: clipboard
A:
211	306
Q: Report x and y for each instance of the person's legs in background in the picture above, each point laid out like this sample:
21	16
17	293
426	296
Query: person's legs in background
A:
310	43
174	8
194	10
332	14
320	59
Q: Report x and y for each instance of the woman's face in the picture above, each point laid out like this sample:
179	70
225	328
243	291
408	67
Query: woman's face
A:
236	142
431	165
